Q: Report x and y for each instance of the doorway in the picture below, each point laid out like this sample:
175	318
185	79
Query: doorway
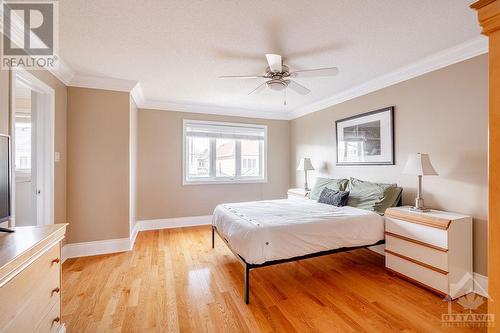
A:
32	128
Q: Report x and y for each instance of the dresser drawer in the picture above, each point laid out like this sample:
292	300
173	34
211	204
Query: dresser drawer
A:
51	322
418	232
426	276
422	253
27	297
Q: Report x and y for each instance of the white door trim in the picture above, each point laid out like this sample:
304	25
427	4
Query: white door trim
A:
46	103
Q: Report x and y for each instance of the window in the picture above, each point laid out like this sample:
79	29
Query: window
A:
224	152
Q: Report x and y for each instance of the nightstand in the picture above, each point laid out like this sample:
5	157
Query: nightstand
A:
294	193
431	249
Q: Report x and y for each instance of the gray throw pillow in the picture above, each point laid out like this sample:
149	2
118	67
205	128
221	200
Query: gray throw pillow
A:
334	198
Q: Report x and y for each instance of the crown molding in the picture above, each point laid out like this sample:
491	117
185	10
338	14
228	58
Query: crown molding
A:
104	83
63	71
458	53
137	94
213	109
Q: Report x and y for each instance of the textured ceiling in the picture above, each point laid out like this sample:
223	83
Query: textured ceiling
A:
177	49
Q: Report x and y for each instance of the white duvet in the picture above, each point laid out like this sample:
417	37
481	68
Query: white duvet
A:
262	231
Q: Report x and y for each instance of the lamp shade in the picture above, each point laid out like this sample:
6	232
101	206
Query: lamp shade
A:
305	164
420	165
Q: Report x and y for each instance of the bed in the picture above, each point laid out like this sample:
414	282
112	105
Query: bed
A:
265	233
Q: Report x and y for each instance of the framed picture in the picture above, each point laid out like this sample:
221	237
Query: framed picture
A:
366	139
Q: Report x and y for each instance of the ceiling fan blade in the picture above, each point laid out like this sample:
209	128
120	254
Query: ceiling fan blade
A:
275	62
319	72
241	76
259	88
298	88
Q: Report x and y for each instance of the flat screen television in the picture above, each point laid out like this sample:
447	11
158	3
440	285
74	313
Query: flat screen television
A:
4	178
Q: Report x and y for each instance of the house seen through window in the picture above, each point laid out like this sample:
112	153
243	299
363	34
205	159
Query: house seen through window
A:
223	152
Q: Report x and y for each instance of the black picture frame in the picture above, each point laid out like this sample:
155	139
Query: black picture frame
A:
392	161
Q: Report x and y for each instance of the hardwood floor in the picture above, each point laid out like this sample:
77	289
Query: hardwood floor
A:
173	281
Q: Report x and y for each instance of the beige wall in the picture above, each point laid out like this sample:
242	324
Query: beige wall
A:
160	191
443	113
60	132
133	164
98	164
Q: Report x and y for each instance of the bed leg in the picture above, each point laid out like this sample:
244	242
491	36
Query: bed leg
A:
247	284
213	237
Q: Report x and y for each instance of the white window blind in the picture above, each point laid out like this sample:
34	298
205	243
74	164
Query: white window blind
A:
224	152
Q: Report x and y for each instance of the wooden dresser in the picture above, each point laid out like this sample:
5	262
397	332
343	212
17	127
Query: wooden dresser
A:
433	249
30	279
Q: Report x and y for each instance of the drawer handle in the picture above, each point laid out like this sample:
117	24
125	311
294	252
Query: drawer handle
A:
56	320
56	261
55	290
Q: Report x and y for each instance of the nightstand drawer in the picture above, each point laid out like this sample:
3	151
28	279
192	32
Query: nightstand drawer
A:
430	278
419	252
418	232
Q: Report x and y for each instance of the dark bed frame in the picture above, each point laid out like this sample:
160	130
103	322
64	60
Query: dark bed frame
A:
249	267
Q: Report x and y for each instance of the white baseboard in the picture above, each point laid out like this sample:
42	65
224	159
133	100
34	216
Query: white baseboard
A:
178	222
133	235
481	284
85	249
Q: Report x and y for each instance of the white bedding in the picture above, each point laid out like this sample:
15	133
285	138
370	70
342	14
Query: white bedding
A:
262	231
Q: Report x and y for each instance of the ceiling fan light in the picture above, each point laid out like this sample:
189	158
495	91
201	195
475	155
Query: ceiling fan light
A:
276	85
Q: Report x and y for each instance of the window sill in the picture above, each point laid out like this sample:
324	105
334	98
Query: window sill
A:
224	182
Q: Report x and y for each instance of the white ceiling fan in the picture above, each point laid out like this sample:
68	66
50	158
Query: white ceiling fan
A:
278	76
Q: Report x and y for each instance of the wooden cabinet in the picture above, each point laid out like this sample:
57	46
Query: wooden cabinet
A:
432	249
30	279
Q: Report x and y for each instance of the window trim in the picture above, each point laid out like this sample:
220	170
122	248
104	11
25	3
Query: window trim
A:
220	180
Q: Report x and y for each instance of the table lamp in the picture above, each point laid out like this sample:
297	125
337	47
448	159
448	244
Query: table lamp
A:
419	165
305	165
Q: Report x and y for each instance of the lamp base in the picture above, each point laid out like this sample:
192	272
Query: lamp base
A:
419	204
419	210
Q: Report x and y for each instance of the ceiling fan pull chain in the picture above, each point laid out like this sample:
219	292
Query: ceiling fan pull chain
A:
284	99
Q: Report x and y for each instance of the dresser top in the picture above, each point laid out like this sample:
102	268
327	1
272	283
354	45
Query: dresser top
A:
434	218
23	244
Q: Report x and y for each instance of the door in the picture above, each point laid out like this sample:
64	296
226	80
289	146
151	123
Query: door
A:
32	131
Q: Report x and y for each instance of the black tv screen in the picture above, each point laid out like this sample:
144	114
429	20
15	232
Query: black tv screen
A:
4	178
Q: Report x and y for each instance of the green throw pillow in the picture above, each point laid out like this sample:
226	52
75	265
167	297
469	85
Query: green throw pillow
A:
333	184
376	197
